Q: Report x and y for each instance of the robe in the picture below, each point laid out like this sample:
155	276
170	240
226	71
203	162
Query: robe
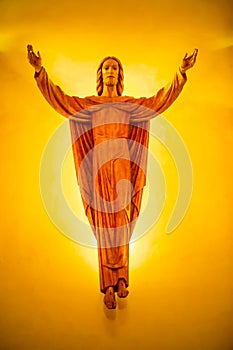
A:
110	141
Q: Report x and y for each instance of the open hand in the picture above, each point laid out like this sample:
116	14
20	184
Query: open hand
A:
188	61
34	60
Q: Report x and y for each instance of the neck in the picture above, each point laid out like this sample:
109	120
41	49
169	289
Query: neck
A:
109	91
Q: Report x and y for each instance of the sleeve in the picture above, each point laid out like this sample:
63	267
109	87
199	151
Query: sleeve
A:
62	103
163	98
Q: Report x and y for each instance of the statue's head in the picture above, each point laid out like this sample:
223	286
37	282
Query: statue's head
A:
110	72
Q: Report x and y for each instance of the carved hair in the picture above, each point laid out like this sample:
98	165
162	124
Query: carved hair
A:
99	80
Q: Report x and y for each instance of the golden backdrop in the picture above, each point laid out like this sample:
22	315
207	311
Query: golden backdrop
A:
180	284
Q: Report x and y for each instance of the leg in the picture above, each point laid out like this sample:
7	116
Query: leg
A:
109	298
122	291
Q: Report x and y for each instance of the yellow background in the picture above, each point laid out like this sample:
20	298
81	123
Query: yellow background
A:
180	284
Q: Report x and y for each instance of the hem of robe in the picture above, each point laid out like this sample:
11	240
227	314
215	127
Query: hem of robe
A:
109	277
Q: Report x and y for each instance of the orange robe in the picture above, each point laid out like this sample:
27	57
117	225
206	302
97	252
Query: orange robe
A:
109	141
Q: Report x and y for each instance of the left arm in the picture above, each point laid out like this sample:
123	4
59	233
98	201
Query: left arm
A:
168	94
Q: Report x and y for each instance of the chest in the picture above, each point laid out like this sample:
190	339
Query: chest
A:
110	123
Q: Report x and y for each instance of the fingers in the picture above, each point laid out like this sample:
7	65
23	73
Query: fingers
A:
30	53
33	59
195	52
189	61
193	55
30	48
190	57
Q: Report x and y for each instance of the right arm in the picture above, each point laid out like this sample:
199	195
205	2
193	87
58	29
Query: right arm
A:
62	103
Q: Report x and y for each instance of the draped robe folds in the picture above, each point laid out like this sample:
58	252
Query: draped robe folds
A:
110	140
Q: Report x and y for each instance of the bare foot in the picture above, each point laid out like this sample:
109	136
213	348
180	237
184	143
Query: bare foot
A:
109	298
122	292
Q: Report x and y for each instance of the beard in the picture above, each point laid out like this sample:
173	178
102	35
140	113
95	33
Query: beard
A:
110	82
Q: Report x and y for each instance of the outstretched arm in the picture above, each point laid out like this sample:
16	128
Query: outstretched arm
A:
168	94
61	102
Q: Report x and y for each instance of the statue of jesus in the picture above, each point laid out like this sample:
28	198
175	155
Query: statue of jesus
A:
110	134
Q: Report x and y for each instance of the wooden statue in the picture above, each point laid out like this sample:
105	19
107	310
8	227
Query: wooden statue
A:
111	133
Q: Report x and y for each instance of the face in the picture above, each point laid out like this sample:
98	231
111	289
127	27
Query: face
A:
110	71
